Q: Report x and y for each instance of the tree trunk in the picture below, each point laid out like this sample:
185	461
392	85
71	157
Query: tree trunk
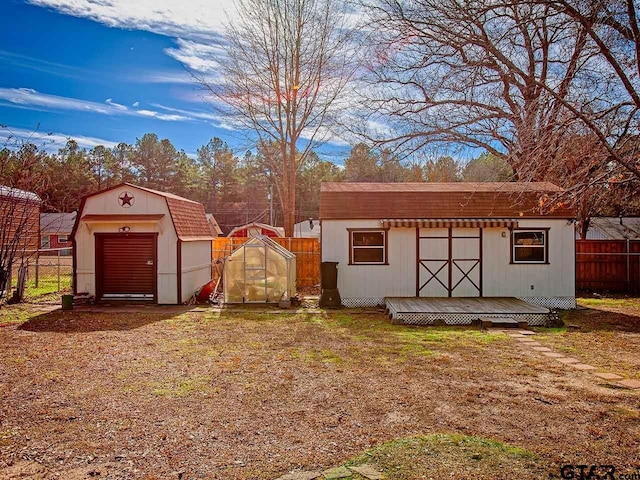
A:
584	228
289	214
290	170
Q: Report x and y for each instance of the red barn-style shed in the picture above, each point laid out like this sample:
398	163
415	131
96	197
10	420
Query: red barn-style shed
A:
134	243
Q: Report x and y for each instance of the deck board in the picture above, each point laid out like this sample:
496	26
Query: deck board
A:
463	305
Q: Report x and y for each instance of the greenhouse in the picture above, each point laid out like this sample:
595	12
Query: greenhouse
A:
260	271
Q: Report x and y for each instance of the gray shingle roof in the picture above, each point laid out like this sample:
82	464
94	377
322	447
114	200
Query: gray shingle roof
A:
57	222
610	228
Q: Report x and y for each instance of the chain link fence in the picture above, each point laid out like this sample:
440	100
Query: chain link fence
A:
48	275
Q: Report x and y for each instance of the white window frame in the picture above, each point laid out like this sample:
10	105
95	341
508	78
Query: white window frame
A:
384	247
60	238
47	243
544	246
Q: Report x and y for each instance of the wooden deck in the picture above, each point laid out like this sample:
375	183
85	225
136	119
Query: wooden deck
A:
463	310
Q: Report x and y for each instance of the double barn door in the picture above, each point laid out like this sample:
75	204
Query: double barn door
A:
449	262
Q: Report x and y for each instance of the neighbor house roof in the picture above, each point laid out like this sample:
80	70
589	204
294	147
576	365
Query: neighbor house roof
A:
442	200
277	230
57	223
17	194
614	228
20	217
188	217
304	230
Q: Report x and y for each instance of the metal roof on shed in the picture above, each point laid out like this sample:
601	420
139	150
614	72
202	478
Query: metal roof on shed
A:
614	228
16	194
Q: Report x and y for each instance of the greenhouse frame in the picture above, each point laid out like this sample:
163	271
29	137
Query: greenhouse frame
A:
259	271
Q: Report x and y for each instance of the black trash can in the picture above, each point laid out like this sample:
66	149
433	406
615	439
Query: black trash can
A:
329	275
330	296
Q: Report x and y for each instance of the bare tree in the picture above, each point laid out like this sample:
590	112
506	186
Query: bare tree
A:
19	233
487	74
21	173
613	114
518	78
287	63
585	172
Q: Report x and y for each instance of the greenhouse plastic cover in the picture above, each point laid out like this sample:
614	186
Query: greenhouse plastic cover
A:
260	270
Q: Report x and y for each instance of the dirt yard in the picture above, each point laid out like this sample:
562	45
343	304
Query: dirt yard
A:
185	394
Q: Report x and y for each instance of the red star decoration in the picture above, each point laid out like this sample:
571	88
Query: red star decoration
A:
126	199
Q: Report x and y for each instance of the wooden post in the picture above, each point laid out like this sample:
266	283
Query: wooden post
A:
18	296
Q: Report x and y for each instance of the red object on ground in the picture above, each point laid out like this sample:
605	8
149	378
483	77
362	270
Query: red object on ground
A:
206	291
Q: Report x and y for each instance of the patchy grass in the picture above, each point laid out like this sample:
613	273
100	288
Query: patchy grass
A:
236	395
627	413
181	387
48	287
18	314
611	302
450	456
324	356
604	332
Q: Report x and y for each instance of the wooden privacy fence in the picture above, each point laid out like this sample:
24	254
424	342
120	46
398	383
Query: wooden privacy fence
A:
612	265
306	250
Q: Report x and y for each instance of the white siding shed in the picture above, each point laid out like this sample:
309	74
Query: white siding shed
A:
136	244
449	240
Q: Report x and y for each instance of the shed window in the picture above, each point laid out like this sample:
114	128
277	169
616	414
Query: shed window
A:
530	246
368	247
45	241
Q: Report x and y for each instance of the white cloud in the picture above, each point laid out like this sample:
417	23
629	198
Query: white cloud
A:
29	98
184	77
119	106
136	104
323	135
197	56
189	113
51	142
197	25
186	18
162	116
225	126
162	77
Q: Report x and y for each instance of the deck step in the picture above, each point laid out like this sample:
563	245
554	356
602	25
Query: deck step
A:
503	322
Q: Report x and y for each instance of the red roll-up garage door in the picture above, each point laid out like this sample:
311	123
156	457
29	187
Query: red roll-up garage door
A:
126	266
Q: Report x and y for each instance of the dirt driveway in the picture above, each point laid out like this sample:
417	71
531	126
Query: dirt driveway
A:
200	394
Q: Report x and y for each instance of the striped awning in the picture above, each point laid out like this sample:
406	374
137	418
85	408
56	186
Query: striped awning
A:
450	222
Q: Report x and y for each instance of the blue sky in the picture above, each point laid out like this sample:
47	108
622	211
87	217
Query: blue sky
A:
109	71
